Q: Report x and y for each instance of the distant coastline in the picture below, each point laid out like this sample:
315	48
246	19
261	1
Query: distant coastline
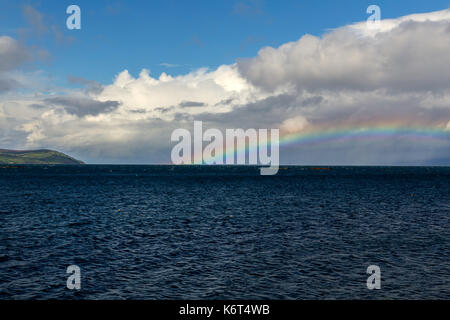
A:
42	156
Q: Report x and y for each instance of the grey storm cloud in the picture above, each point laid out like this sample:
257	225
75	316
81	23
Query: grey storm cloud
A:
83	106
414	56
39	25
91	85
164	110
225	102
138	111
264	113
12	54
191	104
37	106
8	84
35	19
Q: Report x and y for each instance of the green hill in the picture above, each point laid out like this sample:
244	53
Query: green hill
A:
35	157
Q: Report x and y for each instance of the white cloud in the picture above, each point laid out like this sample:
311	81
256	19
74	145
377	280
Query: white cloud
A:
294	125
168	65
163	97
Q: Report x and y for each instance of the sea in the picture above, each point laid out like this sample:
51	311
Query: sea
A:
224	232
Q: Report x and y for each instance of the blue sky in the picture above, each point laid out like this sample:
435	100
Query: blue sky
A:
132	35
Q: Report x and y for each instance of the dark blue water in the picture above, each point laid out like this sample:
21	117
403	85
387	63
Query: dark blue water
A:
224	232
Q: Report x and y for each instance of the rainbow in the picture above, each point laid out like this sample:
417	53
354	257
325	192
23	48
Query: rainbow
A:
322	135
351	133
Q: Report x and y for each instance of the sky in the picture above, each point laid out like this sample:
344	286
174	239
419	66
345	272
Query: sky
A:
339	91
